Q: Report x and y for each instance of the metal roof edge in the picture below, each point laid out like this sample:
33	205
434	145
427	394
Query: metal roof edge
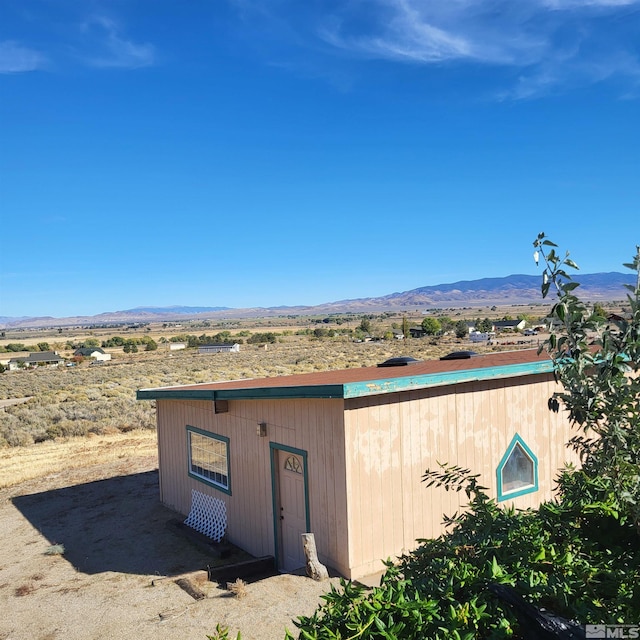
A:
393	385
302	391
254	393
175	393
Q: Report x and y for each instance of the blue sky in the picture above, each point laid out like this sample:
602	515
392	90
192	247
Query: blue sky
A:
241	153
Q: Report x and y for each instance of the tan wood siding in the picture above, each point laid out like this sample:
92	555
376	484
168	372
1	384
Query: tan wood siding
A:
314	426
391	440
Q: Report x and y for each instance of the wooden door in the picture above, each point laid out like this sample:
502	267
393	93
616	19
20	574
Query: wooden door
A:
292	509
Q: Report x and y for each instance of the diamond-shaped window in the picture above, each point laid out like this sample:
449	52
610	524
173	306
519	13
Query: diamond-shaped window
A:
518	470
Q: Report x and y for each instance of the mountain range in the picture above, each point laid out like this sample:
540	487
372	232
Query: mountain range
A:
513	289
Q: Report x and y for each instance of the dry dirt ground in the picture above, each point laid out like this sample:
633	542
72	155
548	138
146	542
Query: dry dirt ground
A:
117	575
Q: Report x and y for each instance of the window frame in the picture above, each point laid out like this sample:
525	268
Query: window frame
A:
202	478
520	491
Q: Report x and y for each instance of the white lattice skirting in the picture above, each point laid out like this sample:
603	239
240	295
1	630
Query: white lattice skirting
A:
208	515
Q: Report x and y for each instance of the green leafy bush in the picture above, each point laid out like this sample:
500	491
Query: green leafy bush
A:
268	337
572	557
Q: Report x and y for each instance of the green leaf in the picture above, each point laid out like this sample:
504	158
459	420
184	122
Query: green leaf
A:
541	555
379	624
496	570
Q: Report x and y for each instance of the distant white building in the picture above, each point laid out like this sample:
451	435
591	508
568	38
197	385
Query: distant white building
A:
218	348
93	352
509	325
481	336
177	346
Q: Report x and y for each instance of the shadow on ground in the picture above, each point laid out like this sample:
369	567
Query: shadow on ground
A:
116	525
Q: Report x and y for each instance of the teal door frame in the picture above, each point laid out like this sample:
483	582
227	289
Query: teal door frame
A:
274	447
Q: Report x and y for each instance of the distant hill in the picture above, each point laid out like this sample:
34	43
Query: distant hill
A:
513	289
161	311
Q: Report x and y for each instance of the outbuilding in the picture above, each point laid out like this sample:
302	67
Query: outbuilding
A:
97	353
219	348
509	325
342	454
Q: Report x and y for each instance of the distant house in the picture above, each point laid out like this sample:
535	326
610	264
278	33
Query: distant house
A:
177	346
218	348
37	359
93	352
509	325
417	332
342	453
551	323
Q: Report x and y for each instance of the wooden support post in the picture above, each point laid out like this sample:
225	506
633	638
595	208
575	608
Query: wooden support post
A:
315	569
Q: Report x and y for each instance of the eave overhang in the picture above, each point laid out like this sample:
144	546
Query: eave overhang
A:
348	389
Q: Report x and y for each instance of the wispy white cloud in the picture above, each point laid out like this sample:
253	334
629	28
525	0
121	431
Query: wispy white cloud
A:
405	38
491	31
581	4
549	77
109	47
98	41
554	43
16	58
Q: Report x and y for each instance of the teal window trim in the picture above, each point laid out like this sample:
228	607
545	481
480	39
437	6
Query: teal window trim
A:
202	478
502	495
274	447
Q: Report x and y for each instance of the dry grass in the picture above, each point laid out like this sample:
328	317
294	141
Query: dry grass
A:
238	588
24	589
18	464
55	550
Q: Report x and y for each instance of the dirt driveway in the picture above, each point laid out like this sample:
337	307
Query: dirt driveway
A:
117	576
